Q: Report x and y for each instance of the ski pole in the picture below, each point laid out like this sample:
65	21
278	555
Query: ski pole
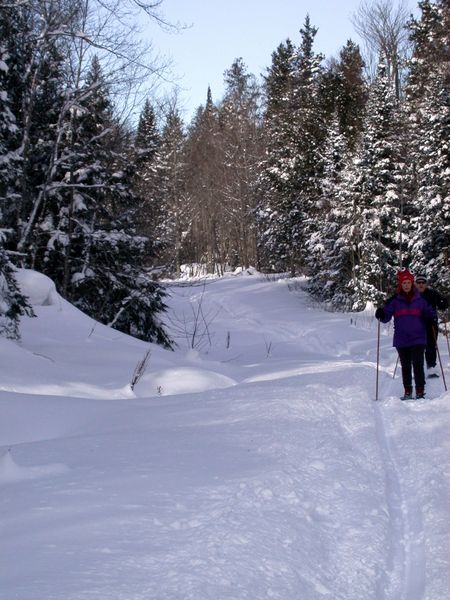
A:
395	370
439	357
378	360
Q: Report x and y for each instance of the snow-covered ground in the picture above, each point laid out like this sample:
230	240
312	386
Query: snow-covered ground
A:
250	463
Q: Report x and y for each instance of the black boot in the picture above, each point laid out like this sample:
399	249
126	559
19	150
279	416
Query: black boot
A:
420	393
408	394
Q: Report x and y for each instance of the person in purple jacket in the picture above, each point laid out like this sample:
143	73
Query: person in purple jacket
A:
411	313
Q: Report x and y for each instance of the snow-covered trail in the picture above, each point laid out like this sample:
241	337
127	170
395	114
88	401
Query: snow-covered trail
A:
405	578
255	465
416	468
399	427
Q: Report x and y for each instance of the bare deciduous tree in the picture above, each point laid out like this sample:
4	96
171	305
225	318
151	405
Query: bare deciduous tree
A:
381	24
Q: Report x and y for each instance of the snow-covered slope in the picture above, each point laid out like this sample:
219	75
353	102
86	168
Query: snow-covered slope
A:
251	463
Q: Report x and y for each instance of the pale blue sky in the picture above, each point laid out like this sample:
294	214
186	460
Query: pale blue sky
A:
223	30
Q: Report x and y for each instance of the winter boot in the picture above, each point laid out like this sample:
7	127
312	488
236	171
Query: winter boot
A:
432	372
408	394
420	393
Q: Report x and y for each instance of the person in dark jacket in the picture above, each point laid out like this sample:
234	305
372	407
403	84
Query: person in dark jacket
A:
437	302
410	312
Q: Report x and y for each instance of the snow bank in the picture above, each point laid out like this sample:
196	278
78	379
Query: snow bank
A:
39	288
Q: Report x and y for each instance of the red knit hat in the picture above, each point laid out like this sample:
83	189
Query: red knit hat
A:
403	275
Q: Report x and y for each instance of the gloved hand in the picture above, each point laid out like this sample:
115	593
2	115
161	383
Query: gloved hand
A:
432	327
379	313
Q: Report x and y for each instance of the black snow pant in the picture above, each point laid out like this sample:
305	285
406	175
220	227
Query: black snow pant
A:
411	359
430	350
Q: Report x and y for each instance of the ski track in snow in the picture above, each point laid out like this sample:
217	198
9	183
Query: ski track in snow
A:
405	579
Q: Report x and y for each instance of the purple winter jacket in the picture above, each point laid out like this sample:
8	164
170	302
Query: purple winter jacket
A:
409	319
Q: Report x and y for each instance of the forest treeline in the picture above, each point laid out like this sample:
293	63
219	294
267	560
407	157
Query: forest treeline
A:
325	167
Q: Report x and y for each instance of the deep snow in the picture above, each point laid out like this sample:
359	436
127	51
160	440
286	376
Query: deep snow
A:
251	463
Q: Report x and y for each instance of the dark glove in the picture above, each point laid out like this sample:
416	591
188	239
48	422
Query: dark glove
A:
432	328
379	314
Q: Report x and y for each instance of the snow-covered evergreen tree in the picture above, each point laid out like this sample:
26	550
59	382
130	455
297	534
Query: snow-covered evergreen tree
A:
12	302
93	251
430	243
175	218
428	107
330	255
66	177
377	194
148	177
13	50
9	160
147	136
294	133
276	237
351	96
36	91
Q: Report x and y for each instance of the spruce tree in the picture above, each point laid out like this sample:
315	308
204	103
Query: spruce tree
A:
377	193
37	80
351	93
430	243
13	303
175	218
93	251
428	108
148	179
293	166
330	246
10	166
276	236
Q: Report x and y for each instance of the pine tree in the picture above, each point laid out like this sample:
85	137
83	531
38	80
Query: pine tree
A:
290	173
13	51
351	93
430	246
276	237
428	107
13	303
147	136
93	251
148	178
36	82
377	194
65	175
9	161
330	246
175	219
